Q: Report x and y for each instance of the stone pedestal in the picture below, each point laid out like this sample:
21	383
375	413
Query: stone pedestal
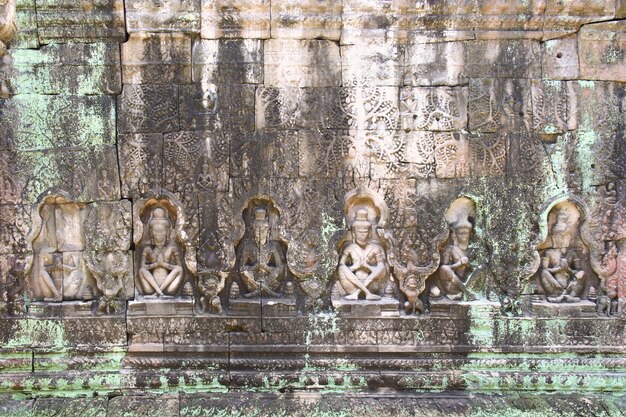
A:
271	307
77	308
386	307
447	308
44	309
161	307
244	307
279	307
583	308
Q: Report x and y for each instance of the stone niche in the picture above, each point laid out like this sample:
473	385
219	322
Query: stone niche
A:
261	282
565	282
163	281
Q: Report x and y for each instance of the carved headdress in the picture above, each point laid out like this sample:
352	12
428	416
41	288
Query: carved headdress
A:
159	217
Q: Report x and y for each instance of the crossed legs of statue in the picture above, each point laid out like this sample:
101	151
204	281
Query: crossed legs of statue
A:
354	286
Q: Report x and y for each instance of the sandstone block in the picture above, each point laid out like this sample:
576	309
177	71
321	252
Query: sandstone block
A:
159	16
554	106
563	18
148	109
503	59
208	106
231	61
372	63
297	63
140	159
312	19
89	21
433	108
500	105
86	69
235	19
26	36
435	64
363	19
15	228
601	48
503	19
559	58
35	122
157	58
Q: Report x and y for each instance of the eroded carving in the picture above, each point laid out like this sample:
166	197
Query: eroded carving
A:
160	271
162	248
109	270
210	285
561	274
260	257
455	268
363	269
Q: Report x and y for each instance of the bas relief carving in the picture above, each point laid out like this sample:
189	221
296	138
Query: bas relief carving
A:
456	264
363	270
261	257
160	270
160	248
58	269
564	273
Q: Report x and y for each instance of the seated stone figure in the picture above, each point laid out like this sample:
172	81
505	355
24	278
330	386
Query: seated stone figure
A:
455	268
560	273
161	271
261	260
362	263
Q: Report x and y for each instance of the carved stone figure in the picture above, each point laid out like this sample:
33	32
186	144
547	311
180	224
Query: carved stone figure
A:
44	285
455	265
109	274
161	269
261	260
561	274
412	282
209	287
362	265
455	268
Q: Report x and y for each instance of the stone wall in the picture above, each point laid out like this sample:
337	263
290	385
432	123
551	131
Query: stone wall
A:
215	195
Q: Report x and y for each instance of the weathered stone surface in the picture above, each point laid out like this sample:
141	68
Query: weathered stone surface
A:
208	106
306	19
562	18
141	160
154	406
310	63
93	407
26	37
437	109
81	172
233	61
157	16
380	198
601	50
500	105
36	122
148	109
91	21
503	59
82	69
156	58
554	106
502	19
369	19
560	58
235	19
435	64
372	63
14	231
